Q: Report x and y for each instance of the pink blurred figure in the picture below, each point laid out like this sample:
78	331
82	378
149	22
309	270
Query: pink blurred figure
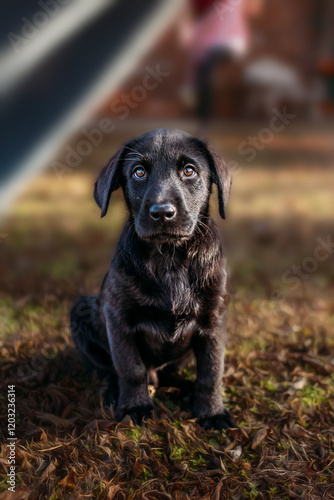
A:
218	36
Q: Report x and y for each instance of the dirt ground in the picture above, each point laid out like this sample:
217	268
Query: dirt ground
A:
279	375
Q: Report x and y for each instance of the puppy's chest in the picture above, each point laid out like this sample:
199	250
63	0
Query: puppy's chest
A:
177	291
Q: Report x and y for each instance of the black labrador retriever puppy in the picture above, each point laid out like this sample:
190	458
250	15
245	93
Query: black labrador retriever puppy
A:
164	295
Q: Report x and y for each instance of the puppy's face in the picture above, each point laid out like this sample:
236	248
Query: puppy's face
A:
166	176
166	181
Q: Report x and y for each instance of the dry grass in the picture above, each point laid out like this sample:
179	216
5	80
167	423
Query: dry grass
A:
279	377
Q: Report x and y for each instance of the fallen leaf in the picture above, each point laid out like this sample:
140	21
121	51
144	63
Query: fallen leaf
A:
258	438
59	422
236	452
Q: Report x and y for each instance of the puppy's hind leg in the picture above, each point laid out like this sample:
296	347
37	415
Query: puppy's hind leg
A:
93	345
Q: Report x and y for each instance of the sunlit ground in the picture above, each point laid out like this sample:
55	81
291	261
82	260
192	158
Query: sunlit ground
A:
279	376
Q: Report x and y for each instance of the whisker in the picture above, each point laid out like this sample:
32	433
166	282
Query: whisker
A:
204	226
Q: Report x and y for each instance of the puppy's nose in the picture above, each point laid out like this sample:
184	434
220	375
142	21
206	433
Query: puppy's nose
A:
162	212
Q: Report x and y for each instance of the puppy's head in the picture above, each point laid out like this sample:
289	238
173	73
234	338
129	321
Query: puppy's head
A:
166	176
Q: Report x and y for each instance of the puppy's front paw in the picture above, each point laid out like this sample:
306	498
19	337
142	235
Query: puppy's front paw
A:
136	413
220	421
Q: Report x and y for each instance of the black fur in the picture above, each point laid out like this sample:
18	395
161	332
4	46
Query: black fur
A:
164	295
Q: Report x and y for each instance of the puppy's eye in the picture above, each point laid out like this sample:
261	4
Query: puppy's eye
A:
189	171
139	173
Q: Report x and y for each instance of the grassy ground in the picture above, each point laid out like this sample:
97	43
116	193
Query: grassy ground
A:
279	376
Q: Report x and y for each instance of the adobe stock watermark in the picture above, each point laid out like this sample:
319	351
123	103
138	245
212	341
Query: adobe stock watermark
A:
29	371
293	277
11	439
31	27
256	143
121	108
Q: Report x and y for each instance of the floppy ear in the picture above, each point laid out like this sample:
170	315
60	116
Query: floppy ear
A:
108	181
221	176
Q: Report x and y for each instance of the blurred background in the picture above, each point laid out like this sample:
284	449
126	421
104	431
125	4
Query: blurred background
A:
254	77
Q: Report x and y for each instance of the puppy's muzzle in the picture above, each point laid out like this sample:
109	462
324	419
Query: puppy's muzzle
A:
162	213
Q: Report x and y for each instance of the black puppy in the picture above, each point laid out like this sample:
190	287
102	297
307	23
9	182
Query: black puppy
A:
164	295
